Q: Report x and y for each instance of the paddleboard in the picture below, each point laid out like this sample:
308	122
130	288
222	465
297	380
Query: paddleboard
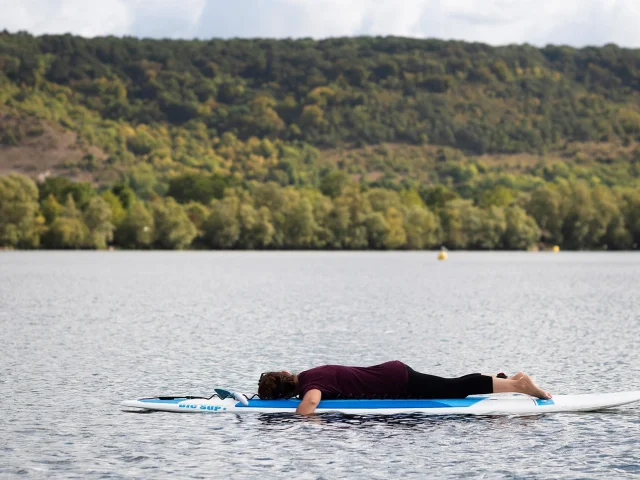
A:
499	404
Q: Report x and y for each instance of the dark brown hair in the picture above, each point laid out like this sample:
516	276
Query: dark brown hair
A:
273	385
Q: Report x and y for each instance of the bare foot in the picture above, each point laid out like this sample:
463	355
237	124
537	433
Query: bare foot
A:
526	385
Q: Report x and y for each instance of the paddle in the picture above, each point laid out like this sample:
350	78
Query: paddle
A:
222	393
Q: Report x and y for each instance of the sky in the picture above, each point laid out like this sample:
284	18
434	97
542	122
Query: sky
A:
577	23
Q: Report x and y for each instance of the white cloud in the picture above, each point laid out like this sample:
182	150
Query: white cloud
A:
539	22
166	18
80	17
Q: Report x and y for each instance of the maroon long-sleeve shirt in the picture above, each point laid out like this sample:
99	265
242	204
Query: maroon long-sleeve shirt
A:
389	378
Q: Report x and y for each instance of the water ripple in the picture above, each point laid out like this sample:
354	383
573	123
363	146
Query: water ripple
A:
84	330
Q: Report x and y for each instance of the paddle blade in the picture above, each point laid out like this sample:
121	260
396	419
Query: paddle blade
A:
222	393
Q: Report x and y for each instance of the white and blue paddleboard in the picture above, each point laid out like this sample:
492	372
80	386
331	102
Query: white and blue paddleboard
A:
499	404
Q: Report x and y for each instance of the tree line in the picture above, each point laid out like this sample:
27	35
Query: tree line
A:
356	91
61	214
292	111
384	143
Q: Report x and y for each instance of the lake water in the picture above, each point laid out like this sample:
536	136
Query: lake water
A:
82	331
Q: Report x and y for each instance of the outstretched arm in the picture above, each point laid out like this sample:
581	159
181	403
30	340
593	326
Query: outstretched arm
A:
309	402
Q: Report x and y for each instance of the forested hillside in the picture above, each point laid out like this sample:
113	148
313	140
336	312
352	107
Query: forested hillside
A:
341	143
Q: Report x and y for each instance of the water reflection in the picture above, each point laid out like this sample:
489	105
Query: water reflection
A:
398	421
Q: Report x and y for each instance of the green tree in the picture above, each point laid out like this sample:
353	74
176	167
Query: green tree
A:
262	119
322	207
61	188
396	237
97	217
381	200
575	228
498	196
312	116
50	209
199	188
144	182
630	211
437	196
547	209
377	230
411	198
173	229
522	231
300	226
591	212
256	228
333	182
454	229
20	225
68	231
125	194
338	223
137	229
485	227
422	227
198	215
118	213
347	221
277	202
222	228
606	225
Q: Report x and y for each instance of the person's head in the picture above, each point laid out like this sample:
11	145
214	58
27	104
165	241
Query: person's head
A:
273	385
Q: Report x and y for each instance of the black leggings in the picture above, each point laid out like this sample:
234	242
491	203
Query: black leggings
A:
422	385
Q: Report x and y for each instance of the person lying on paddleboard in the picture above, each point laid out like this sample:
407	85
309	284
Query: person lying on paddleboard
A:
389	379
